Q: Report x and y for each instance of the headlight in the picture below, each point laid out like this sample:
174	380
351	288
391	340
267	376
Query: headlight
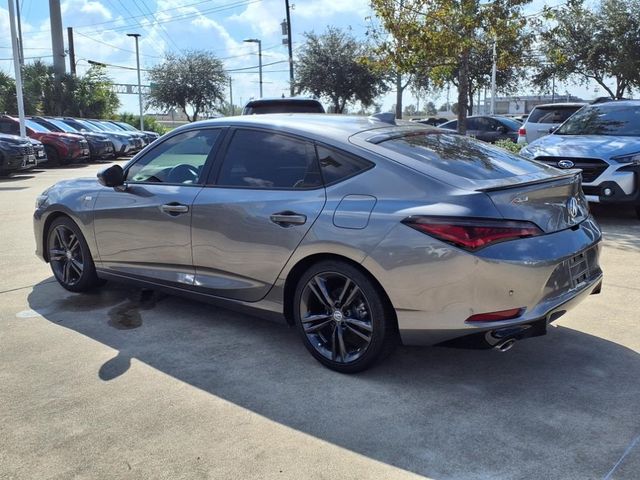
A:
633	158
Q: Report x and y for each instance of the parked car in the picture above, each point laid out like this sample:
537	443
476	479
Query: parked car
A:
100	147
544	119
138	139
603	141
150	136
122	142
39	153
433	121
61	148
16	153
488	128
351	228
283	105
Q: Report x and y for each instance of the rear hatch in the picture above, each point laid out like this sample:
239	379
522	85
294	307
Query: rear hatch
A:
520	189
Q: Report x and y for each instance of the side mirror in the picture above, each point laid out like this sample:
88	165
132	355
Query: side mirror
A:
552	129
112	176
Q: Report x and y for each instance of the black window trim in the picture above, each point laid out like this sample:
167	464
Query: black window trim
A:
214	173
207	164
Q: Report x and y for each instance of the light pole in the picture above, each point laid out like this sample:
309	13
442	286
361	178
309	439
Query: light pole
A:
16	65
136	36
259	42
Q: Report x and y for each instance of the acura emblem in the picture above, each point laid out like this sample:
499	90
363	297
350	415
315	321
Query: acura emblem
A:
566	164
572	208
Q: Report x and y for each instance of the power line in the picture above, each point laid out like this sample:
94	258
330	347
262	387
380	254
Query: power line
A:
116	47
154	20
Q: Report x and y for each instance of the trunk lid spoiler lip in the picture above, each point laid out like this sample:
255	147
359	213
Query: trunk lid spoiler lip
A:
570	174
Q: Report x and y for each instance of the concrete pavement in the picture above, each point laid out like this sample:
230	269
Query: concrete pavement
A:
124	383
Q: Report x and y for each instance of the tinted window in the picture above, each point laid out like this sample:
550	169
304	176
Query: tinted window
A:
62	126
179	159
36	127
606	119
461	156
337	166
474	124
283	107
10	127
267	160
551	114
507	122
452	125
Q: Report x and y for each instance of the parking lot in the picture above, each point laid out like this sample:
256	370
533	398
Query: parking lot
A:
125	382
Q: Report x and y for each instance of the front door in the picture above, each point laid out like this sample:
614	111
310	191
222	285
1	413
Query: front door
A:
246	226
144	229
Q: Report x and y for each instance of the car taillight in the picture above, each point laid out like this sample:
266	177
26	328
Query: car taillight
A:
522	131
496	316
472	233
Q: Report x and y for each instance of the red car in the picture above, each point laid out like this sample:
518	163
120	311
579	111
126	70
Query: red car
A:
61	148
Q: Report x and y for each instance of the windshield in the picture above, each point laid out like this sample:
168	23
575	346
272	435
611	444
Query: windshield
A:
89	126
605	119
125	126
62	126
512	124
36	126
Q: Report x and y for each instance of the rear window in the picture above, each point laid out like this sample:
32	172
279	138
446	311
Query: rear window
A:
461	156
260	108
551	114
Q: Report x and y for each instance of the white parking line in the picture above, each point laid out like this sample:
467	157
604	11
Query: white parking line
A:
626	452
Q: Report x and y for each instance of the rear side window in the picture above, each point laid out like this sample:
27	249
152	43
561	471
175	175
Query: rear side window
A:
461	156
283	107
256	159
551	114
337	166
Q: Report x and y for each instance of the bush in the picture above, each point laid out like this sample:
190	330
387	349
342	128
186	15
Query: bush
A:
510	146
150	123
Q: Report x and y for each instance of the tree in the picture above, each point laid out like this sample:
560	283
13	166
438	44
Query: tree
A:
441	36
7	94
193	81
334	66
430	109
150	123
586	45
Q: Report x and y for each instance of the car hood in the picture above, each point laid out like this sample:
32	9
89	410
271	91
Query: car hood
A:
598	146
12	139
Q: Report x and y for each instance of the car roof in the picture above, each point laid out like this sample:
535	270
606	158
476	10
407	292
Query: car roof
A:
319	125
560	105
281	100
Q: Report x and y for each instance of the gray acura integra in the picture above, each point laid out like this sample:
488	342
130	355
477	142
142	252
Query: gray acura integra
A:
358	231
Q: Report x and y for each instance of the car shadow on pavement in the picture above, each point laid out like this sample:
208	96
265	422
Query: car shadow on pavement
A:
620	226
565	402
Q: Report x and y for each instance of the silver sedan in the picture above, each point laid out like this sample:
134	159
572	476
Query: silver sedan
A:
360	232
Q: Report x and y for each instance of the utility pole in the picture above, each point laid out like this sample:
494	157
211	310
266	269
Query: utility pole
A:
57	39
20	34
233	109
493	80
16	65
553	89
72	51
291	83
136	36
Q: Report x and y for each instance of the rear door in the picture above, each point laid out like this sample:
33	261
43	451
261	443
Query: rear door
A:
144	229
263	196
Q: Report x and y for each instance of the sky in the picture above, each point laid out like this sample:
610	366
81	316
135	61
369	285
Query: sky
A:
100	28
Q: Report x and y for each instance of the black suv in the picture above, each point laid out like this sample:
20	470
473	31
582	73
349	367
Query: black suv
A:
283	105
15	154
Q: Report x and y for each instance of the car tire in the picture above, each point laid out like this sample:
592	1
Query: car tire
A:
69	256
52	156
361	334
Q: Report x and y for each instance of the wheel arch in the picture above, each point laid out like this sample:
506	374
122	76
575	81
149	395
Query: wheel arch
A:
305	263
45	230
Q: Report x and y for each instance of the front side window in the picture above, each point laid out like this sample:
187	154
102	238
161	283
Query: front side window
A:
9	127
179	159
337	166
258	159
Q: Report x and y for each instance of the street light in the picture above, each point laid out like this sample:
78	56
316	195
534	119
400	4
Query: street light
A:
259	42
136	36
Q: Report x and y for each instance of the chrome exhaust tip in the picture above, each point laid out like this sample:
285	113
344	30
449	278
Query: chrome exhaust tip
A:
506	345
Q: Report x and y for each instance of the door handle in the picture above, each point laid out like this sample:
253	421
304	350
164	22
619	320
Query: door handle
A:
174	208
286	219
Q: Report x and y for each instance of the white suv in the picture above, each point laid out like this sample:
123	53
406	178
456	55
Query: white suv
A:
543	119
